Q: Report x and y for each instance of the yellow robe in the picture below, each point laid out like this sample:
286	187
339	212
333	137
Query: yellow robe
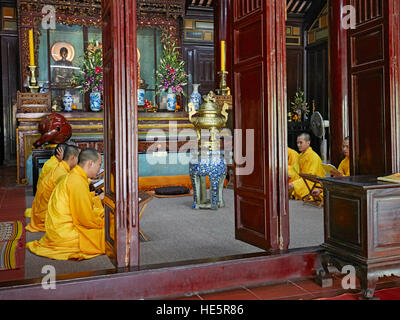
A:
74	221
344	167
292	159
48	166
42	197
309	162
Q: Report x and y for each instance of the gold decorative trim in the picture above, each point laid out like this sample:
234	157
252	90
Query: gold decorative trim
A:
144	119
86	133
149	126
109	203
70	119
86	127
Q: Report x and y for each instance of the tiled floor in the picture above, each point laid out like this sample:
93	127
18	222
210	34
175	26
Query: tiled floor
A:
293	290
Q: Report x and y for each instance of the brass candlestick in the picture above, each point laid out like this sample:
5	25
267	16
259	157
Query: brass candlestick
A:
223	89
33	84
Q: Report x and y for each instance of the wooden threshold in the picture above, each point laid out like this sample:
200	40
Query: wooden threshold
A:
169	280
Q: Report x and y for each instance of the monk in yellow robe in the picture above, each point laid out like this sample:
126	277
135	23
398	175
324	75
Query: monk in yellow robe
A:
308	162
48	166
75	216
292	160
46	187
344	166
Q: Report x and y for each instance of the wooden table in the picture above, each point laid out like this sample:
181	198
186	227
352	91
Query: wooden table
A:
361	229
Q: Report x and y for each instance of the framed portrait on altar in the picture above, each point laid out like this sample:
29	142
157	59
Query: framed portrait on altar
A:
61	56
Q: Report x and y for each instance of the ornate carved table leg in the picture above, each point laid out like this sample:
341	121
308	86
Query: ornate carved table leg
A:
368	283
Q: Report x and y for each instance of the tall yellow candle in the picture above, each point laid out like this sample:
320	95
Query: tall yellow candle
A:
31	49
222	55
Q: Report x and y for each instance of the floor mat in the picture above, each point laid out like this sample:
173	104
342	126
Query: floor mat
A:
10	239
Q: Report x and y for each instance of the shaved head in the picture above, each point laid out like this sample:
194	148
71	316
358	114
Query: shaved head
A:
88	154
70	151
305	136
303	142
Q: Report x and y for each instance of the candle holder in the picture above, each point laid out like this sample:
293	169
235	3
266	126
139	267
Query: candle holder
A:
223	89
33	83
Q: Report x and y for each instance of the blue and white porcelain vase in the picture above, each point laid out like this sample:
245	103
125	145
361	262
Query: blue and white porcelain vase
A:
195	97
140	97
171	100
67	100
95	101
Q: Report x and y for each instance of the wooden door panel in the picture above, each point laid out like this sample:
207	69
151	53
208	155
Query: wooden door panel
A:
370	114
258	46
248	84
369	74
252	223
368	47
248	41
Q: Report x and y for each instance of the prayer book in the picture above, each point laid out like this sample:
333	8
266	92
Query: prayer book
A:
331	170
395	178
98	184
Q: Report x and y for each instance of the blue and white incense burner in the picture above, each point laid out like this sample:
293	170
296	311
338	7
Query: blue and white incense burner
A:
210	160
214	166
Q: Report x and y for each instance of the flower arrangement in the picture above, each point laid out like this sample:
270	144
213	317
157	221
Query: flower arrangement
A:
90	77
299	107
171	75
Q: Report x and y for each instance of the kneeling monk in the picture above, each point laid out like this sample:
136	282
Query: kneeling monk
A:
48	166
75	217
45	189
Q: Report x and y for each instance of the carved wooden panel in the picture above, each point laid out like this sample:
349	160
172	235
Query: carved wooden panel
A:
33	102
246	7
367	10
